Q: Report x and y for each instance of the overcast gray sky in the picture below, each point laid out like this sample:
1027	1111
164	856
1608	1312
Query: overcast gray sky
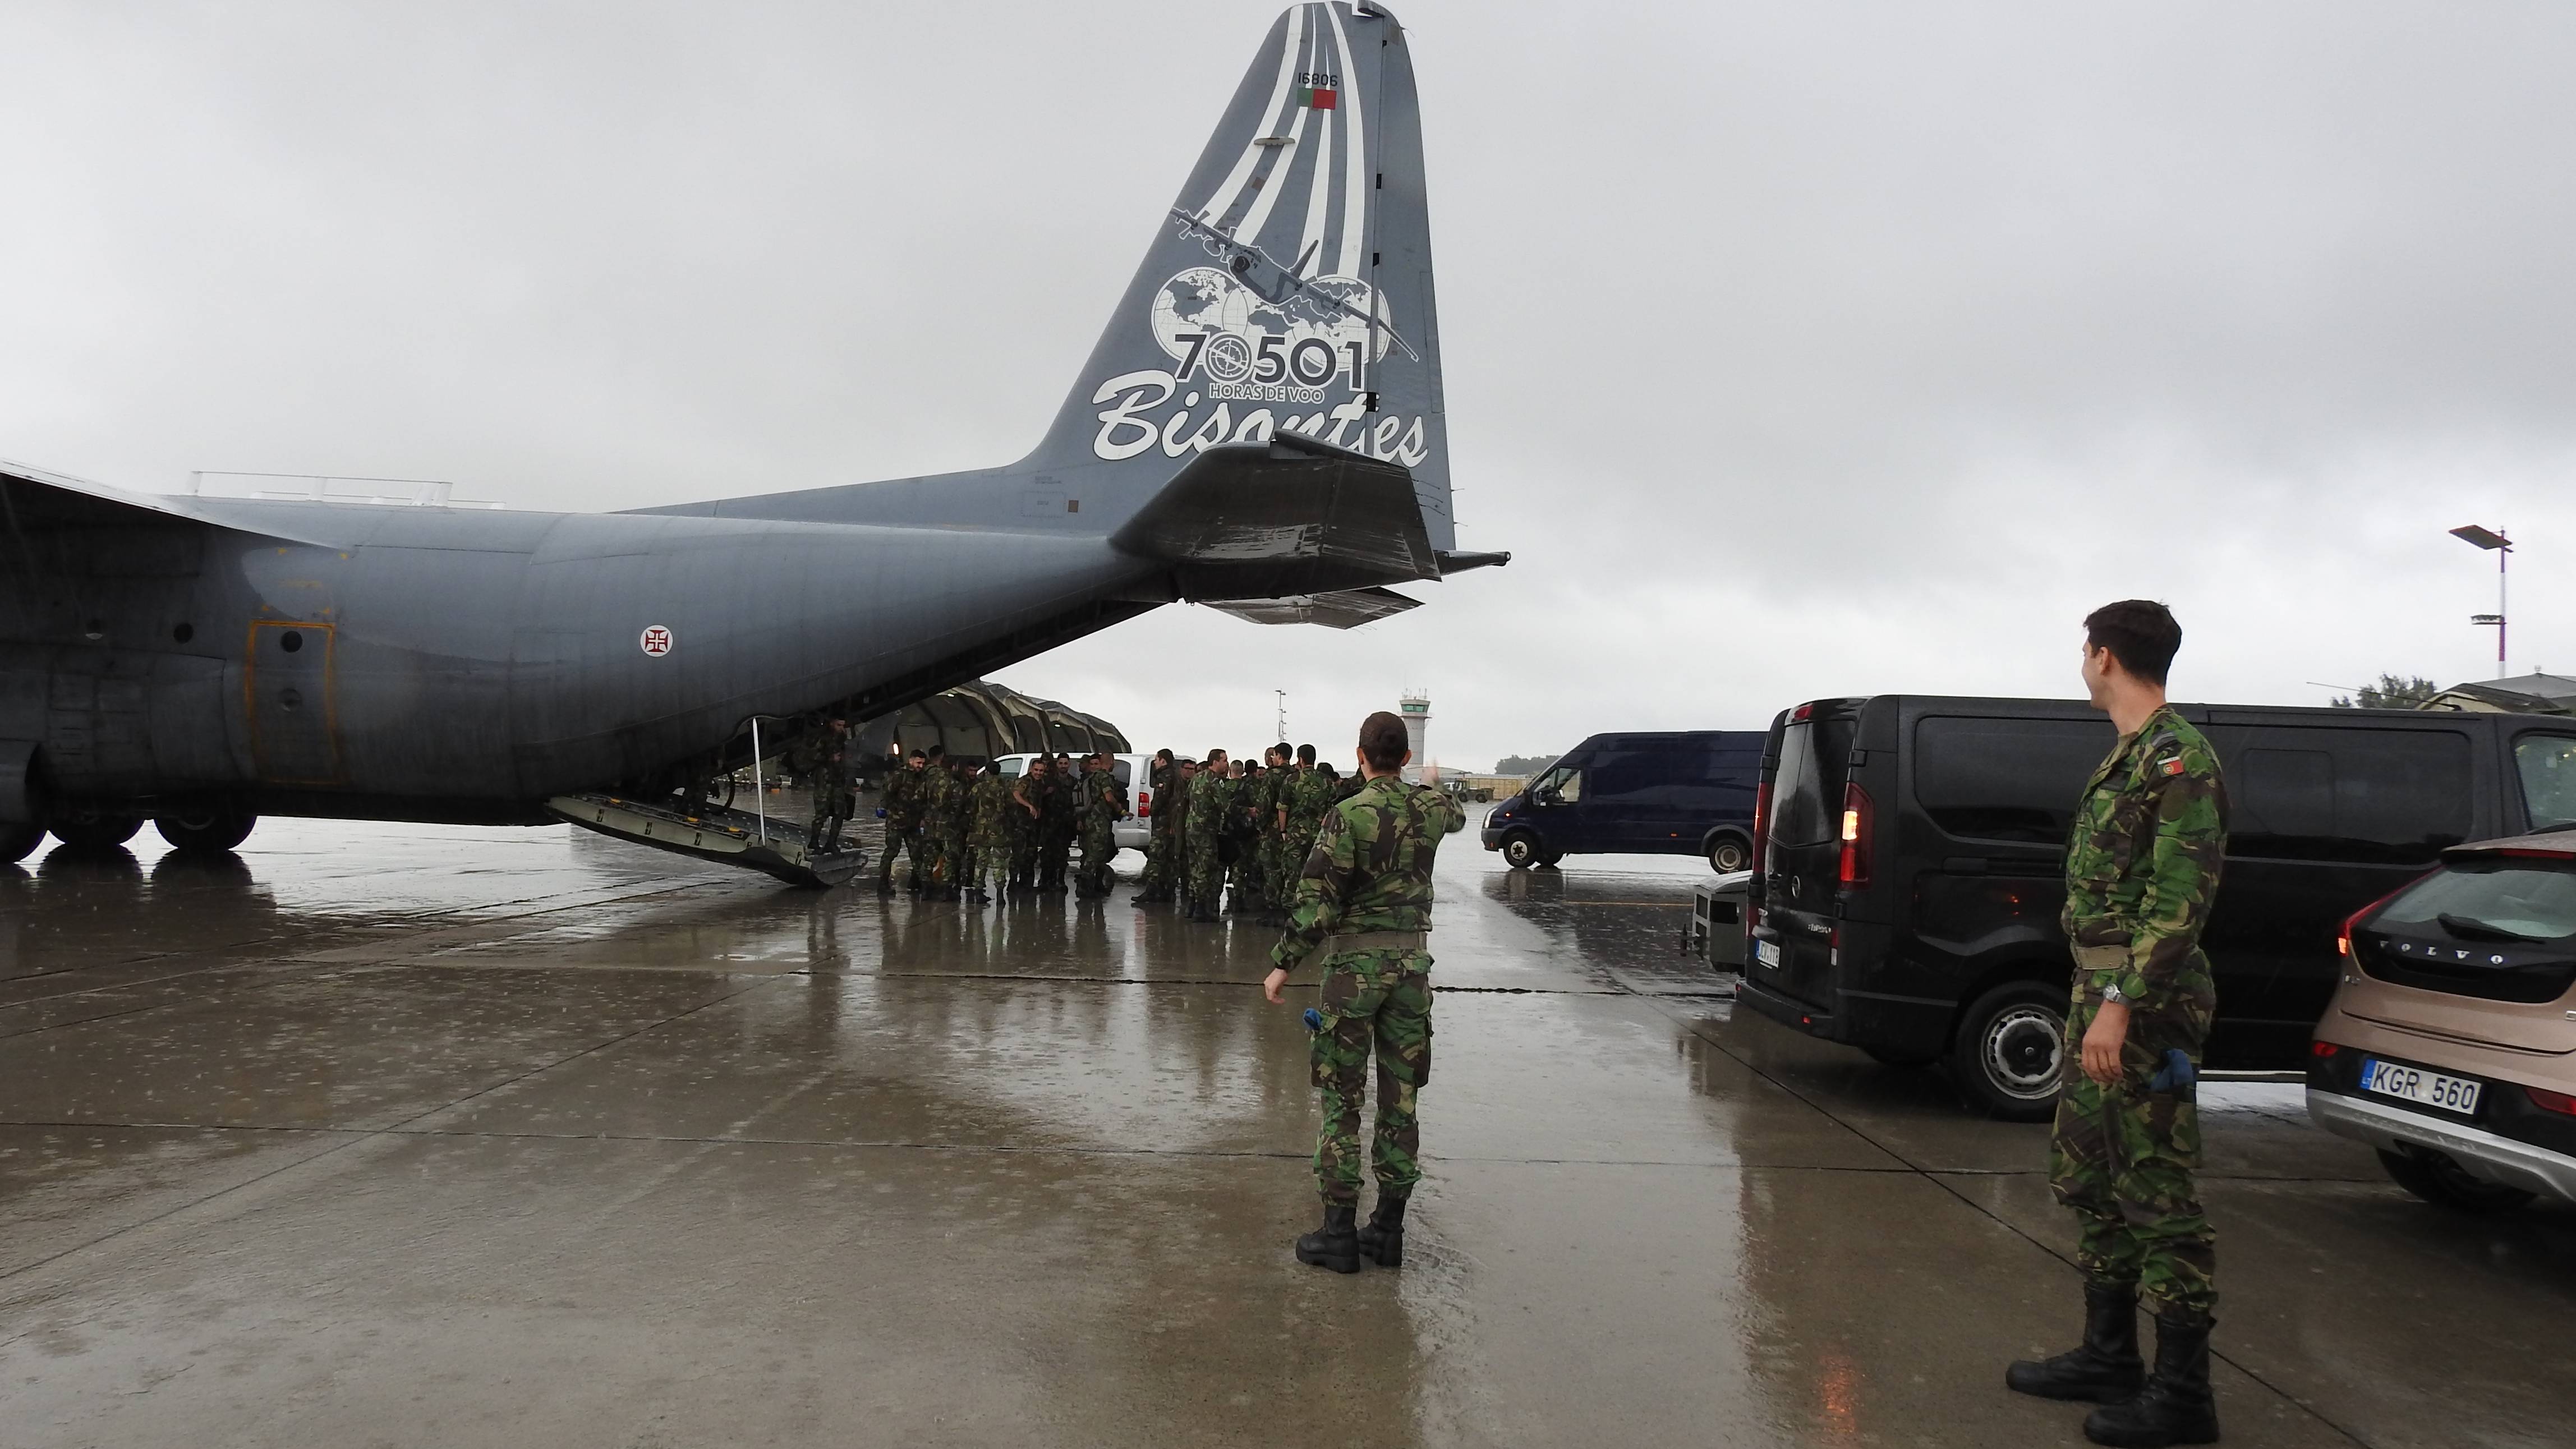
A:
1793	350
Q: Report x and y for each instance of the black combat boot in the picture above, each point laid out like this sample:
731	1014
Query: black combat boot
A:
1381	1238
1336	1244
2106	1368
2176	1406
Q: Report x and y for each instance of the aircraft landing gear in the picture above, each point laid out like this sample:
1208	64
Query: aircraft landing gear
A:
95	829
17	840
207	829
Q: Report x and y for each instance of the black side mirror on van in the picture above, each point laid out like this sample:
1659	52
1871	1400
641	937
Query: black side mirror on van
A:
1547	797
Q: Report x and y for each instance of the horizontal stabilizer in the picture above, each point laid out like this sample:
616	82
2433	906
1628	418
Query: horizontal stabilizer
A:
1348	609
1289	517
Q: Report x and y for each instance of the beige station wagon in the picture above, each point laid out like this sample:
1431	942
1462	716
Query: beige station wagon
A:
2451	1042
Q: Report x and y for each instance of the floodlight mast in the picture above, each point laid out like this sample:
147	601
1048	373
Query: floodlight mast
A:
2494	541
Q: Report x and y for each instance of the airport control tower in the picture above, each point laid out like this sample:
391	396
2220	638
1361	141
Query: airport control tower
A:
1415	709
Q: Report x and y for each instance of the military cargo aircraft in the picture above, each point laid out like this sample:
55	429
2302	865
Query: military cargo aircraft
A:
1260	428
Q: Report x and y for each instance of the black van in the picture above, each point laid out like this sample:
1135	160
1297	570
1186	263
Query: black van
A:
1910	870
1685	792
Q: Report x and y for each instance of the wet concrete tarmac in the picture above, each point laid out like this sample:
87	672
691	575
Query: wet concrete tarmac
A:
396	1135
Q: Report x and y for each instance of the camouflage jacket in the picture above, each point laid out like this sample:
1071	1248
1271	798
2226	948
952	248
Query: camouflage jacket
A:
992	807
1210	796
1102	799
2142	861
1161	784
831	767
1370	869
1307	797
903	797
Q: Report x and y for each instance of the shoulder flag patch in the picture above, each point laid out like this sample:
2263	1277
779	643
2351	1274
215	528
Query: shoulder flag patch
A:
2172	766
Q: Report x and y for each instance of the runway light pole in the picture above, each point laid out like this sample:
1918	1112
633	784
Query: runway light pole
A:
2494	541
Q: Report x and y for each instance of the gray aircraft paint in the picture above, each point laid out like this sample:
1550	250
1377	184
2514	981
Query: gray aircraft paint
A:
442	664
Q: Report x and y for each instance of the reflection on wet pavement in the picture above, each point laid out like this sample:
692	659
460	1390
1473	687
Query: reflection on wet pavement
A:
413	1135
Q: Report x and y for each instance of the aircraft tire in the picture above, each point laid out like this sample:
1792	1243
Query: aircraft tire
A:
207	831
95	829
16	841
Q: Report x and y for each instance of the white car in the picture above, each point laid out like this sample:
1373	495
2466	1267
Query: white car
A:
1131	771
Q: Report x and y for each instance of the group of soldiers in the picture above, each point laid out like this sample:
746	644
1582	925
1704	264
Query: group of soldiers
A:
1231	828
976	834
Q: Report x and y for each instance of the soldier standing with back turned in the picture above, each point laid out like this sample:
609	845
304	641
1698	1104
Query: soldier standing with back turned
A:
2141	869
903	799
1364	912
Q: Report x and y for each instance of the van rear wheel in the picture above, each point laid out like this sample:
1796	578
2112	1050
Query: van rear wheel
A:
2444	1183
2011	1050
1520	850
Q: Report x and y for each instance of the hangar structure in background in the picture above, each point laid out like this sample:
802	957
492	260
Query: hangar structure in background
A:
1260	427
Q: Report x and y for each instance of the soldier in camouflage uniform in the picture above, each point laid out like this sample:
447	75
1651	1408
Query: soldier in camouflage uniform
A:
1103	802
935	783
1302	806
1242	872
990	841
1029	796
1156	883
902	798
1363	913
1056	825
830	787
1203	825
2142	867
959	860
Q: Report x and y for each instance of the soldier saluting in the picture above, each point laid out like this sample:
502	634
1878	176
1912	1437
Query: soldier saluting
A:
2141	868
1363	907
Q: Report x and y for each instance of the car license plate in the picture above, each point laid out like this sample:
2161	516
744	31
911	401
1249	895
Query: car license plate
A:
2414	1084
1768	953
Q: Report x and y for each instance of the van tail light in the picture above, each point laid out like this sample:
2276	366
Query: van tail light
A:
1144	804
2549	1101
1761	848
2322	1049
1858	825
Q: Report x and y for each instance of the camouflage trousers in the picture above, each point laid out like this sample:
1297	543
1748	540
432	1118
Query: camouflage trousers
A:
1381	1001
1158	882
990	855
1244	876
2123	1157
1099	842
1203	874
901	837
1279	874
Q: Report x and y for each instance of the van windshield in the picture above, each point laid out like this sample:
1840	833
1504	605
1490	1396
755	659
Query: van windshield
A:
1804	805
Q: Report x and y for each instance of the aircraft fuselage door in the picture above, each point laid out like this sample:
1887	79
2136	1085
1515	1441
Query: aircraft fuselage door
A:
293	717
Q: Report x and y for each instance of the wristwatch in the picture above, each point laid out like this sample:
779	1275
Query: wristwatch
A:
2112	994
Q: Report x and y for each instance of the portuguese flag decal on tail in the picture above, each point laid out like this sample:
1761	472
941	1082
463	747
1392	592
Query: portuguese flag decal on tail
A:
1318	97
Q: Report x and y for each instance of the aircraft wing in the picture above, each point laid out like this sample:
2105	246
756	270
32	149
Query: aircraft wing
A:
35	501
1347	609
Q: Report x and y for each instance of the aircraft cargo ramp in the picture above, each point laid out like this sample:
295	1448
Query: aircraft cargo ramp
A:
717	833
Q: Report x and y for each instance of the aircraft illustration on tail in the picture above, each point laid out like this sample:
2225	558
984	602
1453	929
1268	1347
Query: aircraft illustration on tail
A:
1259	434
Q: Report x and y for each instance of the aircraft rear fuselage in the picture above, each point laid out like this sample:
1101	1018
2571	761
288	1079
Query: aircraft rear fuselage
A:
451	664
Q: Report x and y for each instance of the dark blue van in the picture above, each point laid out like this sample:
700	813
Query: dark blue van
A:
1684	792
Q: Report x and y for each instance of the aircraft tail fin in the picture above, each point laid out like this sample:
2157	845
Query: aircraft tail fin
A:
1288	287
1286	298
